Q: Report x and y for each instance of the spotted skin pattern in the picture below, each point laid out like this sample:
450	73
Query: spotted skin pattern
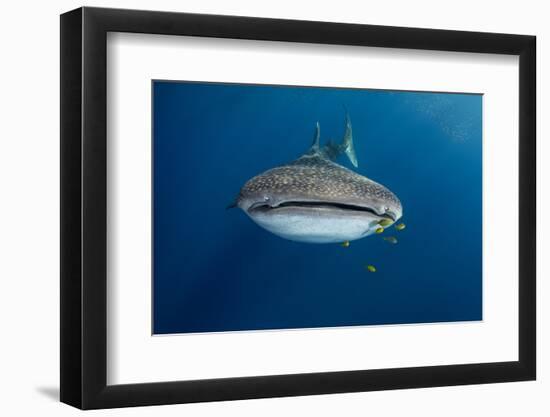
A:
314	178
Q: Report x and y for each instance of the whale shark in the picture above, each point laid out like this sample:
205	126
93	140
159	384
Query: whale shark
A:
313	199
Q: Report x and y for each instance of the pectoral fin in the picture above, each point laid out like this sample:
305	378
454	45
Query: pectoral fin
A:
232	205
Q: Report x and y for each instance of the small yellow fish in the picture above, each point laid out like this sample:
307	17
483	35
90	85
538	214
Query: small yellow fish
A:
390	239
385	222
379	230
400	226
345	244
371	268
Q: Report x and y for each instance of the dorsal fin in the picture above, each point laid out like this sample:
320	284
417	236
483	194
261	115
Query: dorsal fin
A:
332	150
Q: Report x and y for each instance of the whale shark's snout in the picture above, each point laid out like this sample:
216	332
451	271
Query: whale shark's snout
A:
315	200
318	205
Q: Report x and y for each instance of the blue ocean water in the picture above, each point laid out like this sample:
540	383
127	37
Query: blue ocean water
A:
216	270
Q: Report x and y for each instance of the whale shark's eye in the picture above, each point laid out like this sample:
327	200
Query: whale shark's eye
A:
266	198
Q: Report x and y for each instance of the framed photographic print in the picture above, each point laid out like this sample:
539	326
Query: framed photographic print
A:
257	208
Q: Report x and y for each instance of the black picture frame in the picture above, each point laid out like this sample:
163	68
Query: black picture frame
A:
84	197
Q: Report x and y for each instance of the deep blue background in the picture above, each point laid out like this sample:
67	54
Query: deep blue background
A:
215	270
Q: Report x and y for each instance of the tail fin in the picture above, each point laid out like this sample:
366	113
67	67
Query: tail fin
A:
315	144
347	143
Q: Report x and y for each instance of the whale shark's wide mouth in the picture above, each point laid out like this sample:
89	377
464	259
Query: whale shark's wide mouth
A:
319	205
